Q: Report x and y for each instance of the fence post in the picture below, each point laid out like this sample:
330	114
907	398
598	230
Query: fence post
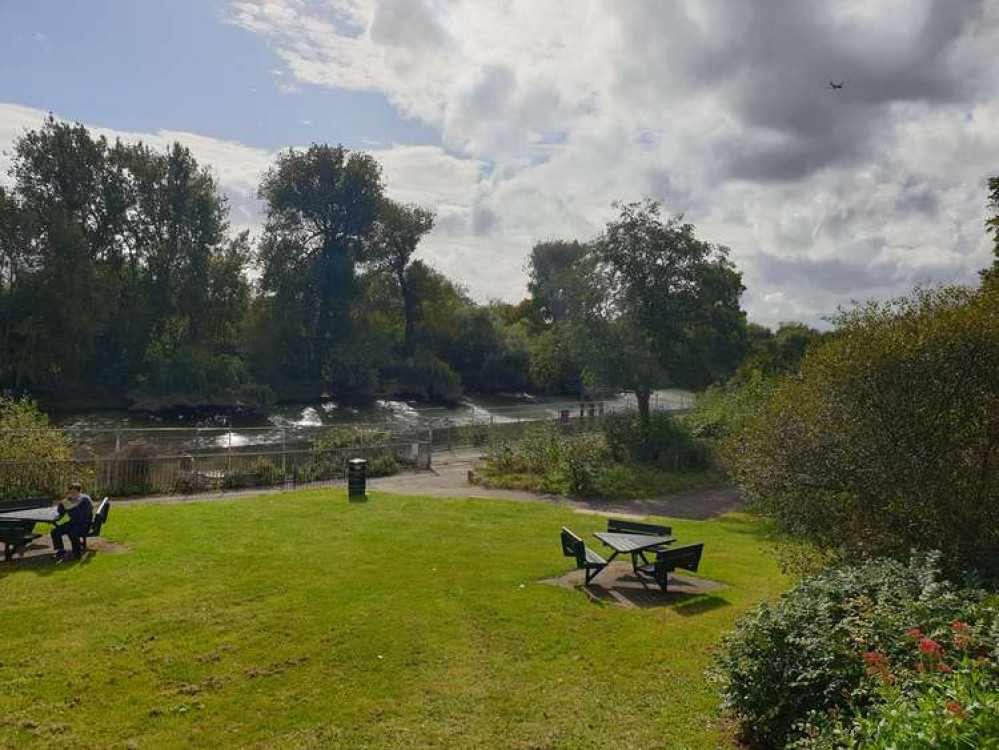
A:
284	457
228	463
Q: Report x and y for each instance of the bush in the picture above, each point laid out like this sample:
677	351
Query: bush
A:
267	472
428	377
941	711
889	439
34	458
821	651
563	464
659	440
721	413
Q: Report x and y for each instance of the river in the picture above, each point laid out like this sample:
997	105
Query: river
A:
100	429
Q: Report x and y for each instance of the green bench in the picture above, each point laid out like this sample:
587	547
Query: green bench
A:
687	557
620	526
586	559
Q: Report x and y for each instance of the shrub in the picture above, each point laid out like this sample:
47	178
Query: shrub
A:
266	471
564	464
34	458
889	439
723	412
942	711
659	440
818	652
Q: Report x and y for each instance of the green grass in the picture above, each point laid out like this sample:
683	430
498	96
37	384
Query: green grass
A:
301	621
618	481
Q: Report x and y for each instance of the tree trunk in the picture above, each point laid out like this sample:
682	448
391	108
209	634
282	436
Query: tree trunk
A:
642	396
409	310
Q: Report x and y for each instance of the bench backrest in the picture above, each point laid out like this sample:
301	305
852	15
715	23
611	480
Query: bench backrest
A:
100	517
573	546
620	526
687	557
24	503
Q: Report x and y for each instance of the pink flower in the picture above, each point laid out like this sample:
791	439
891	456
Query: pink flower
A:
961	641
955	708
941	667
960	626
914	633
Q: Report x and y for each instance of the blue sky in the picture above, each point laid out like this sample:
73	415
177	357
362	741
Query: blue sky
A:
138	65
525	120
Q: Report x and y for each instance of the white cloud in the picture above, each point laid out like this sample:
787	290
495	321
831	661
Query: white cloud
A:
719	108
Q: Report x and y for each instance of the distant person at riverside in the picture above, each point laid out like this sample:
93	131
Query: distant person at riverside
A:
76	513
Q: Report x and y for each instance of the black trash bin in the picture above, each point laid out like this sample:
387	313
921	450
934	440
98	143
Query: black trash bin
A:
357	478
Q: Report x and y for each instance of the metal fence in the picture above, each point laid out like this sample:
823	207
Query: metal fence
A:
172	460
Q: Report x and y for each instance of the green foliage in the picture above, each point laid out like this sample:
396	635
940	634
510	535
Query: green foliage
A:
430	378
322	205
651	304
790	666
119	262
955	711
659	440
889	439
991	274
34	458
544	459
723	412
563	464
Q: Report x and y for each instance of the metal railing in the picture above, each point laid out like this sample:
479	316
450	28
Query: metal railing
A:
182	460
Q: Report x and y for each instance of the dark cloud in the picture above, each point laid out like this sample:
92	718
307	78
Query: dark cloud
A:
769	64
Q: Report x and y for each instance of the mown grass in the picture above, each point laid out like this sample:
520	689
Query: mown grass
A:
614	480
300	620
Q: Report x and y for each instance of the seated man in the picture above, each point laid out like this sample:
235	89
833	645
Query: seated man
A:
78	512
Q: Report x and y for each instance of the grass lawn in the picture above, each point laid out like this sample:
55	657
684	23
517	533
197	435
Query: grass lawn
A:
300	620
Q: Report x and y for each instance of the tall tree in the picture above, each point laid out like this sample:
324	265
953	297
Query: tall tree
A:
991	274
398	231
322	205
654	305
550	276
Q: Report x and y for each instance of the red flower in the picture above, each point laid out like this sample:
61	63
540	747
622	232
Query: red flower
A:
955	709
961	641
960	626
941	667
914	633
929	646
875	657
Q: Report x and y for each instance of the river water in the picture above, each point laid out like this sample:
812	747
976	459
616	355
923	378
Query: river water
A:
100	430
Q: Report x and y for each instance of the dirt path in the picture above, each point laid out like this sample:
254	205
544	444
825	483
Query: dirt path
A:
449	478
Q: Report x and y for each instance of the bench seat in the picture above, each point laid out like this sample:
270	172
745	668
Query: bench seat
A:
586	559
687	557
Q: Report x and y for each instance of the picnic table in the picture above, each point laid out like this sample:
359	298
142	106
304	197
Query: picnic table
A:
635	545
16	527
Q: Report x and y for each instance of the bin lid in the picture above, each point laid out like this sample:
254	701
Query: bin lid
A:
357	462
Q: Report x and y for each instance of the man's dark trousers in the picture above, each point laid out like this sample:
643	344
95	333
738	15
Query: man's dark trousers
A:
76	532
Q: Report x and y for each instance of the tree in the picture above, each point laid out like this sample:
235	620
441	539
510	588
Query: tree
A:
888	439
322	205
654	305
117	270
397	232
551	274
992	225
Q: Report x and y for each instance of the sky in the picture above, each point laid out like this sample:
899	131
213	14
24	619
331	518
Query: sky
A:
519	121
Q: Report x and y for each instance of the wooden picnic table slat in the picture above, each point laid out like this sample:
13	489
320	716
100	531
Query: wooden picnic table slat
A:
36	515
632	542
